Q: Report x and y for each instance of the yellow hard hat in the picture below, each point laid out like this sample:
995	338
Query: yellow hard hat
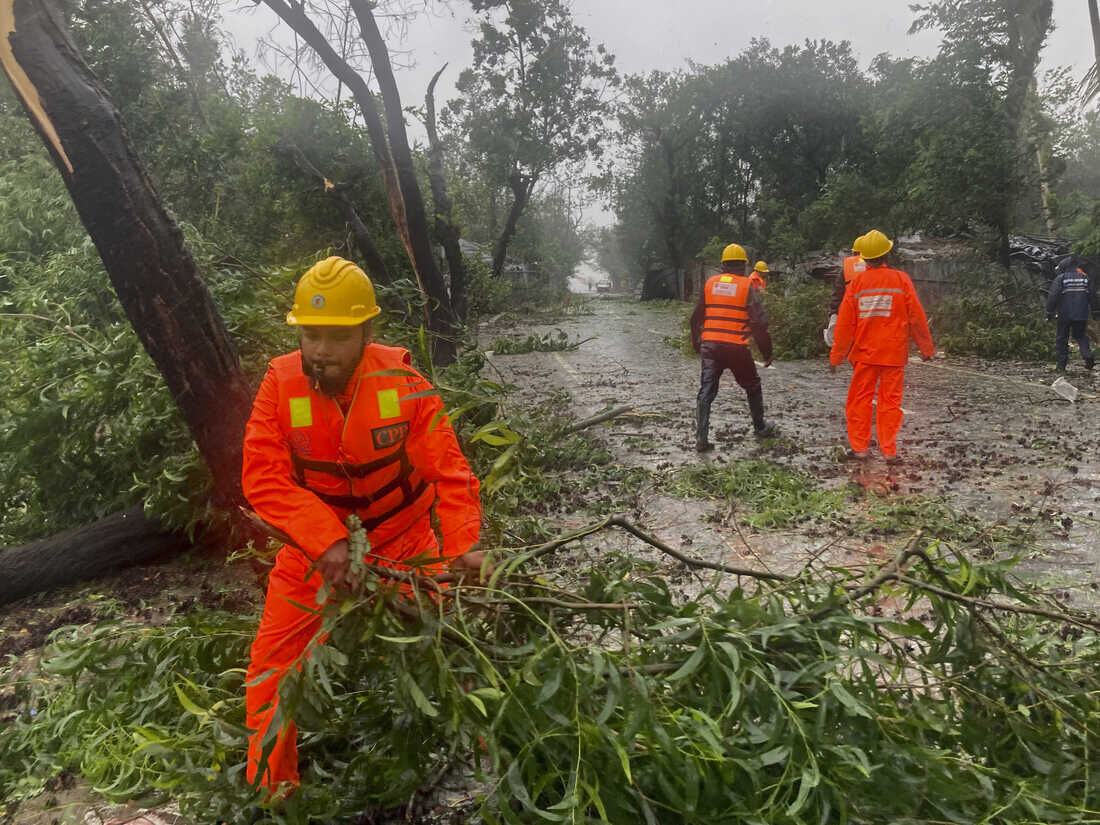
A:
761	267
874	245
734	252
857	244
333	293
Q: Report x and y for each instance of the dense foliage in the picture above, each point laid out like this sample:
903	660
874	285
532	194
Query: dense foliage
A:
797	148
796	316
606	697
225	148
533	104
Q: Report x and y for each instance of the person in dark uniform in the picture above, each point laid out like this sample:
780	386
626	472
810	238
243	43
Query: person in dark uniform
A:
1071	295
726	319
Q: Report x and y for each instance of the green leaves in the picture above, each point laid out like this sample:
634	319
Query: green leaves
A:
728	706
850	703
135	708
496	434
417	695
776	495
555	341
975	324
690	666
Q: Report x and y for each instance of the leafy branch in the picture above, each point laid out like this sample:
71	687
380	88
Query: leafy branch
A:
599	694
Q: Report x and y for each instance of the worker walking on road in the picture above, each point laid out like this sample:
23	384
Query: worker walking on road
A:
342	426
756	277
1071	295
727	317
852	266
879	315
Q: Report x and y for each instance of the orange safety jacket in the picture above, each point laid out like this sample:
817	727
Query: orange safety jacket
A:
756	280
878	316
726	305
308	464
853	265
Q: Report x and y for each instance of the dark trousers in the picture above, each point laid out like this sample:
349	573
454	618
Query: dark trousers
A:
717	358
1078	330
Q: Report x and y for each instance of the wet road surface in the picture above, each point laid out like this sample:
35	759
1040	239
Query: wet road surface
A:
989	437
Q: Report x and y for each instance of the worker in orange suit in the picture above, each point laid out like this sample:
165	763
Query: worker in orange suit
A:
331	435
879	315
756	277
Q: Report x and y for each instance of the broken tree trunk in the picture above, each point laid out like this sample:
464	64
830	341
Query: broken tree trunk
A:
149	264
377	268
1094	72
407	217
156	281
446	340
109	544
445	227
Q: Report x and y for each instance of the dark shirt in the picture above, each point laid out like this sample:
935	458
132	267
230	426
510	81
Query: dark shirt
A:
1071	295
839	288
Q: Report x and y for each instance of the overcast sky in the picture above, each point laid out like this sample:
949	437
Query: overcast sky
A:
665	34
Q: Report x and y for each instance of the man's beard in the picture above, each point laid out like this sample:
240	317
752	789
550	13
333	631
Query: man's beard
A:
328	384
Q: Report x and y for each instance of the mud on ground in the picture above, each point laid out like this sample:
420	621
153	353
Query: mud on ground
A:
989	437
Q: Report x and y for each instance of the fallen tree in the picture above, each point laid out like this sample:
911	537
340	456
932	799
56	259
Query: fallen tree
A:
118	541
142	247
153	274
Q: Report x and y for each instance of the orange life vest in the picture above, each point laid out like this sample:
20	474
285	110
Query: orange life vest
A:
355	462
756	281
853	265
726	318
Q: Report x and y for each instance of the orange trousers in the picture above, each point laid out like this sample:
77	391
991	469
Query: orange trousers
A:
284	633
861	393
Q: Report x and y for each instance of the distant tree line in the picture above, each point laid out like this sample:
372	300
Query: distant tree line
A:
796	148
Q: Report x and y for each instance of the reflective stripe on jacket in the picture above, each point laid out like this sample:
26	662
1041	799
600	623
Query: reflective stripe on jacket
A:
308	465
879	314
726	317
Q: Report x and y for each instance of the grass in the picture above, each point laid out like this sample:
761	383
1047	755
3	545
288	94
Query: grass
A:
774	495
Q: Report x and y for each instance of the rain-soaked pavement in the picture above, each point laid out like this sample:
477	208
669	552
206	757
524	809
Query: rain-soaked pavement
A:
989	437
